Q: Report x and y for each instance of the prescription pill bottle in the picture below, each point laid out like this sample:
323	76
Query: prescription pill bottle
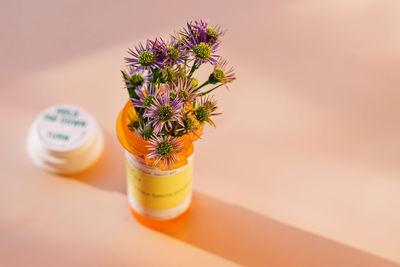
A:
156	195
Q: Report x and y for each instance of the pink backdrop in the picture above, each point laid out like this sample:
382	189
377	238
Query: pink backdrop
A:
302	170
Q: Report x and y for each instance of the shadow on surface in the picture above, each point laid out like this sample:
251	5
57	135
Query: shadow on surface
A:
250	239
108	173
233	232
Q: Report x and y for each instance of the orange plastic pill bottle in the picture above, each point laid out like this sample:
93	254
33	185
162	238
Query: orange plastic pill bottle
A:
157	196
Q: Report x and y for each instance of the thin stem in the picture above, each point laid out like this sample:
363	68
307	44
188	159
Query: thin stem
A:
192	70
132	92
198	88
209	91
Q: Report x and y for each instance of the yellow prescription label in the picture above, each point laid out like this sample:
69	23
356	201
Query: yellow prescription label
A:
156	189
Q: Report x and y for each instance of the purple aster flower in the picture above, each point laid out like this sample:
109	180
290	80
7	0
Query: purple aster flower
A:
202	32
206	108
162	113
221	73
214	33
195	29
146	57
165	149
198	46
185	89
146	96
173	51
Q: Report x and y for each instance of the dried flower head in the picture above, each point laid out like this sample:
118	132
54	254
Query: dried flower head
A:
166	149
185	90
146	95
214	34
206	108
174	51
162	112
146	57
221	73
197	41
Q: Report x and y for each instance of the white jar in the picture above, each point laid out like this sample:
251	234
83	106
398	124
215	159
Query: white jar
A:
65	139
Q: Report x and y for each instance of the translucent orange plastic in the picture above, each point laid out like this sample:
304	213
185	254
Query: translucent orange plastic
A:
139	147
161	225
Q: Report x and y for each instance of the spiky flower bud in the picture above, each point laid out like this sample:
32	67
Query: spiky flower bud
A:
168	74
147	133
202	51
165	149
164	113
189	124
146	58
136	80
202	114
148	100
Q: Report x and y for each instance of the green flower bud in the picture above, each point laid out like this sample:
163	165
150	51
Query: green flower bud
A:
164	113
189	124
168	74
212	35
202	114
172	52
165	149
216	76
183	94
202	51
147	133
146	58
136	80
148	100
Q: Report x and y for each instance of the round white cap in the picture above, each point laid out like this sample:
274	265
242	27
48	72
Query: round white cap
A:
65	139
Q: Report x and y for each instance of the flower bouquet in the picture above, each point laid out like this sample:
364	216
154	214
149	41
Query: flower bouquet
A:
166	113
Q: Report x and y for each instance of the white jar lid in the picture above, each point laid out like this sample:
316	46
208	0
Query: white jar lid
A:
65	139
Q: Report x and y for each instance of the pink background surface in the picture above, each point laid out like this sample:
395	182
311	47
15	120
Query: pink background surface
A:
302	170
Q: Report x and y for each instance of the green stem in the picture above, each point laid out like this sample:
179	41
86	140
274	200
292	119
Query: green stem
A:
209	91
192	70
131	89
132	93
204	84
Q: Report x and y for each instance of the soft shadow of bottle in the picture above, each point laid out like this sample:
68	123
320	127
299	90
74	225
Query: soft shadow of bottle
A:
108	172
251	239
